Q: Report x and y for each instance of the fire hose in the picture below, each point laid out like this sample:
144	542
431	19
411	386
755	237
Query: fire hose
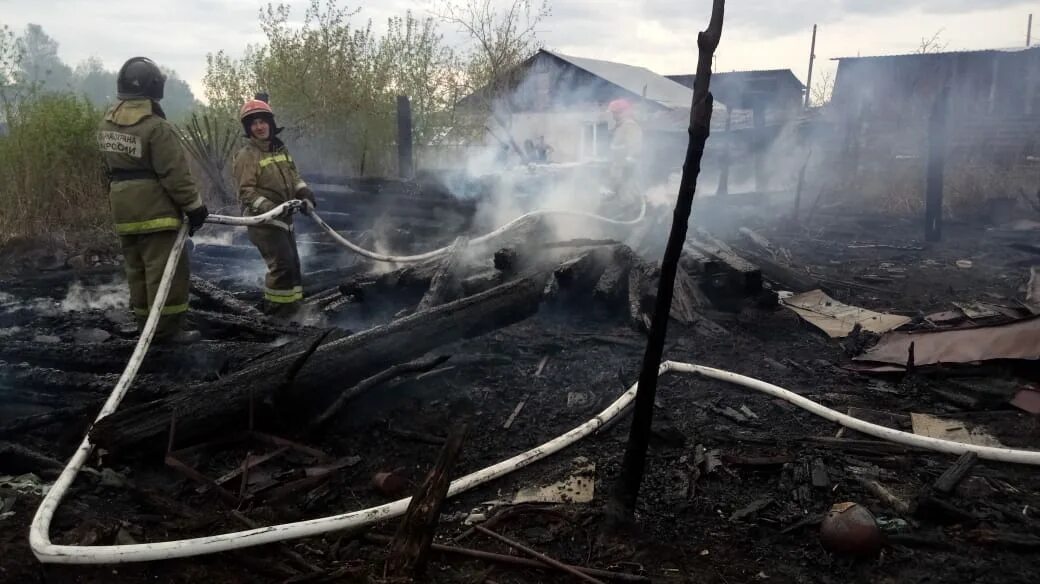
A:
48	552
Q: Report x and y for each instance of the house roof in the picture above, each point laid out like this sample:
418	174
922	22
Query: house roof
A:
638	80
742	88
939	54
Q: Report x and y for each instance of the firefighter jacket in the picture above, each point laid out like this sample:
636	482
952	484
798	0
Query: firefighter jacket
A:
150	182
626	151
266	177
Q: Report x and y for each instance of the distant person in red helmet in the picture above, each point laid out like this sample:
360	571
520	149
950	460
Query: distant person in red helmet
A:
267	177
626	153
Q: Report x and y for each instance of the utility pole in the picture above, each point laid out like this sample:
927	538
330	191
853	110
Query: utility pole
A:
1029	32
808	78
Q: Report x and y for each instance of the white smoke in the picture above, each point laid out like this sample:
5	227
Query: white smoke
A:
216	235
101	297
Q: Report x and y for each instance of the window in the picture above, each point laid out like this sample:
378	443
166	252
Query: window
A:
595	140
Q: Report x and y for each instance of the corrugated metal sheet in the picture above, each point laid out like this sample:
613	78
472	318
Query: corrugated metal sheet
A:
657	88
940	54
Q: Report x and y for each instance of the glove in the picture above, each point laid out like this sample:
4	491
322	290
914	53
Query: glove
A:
196	219
265	206
306	194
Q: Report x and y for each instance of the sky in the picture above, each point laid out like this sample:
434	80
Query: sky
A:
657	34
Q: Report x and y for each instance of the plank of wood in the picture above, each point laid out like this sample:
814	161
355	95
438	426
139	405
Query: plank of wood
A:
949	479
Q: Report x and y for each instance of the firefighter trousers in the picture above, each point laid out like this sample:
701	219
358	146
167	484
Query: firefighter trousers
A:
283	286
145	258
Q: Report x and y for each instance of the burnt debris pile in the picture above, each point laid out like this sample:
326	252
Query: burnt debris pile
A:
520	338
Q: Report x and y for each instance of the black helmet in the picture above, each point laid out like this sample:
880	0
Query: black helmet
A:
140	77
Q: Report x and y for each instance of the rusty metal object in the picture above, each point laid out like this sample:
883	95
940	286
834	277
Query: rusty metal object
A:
849	528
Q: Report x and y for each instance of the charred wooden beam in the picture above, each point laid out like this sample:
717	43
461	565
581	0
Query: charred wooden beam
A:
445	286
481	282
410	550
17	459
419	365
640	281
212	297
581	273
74	414
209	408
784	277
47	378
741	276
217	324
613	282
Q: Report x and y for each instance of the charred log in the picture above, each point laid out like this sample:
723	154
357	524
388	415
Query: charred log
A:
215	298
728	270
219	406
613	282
482	281
445	286
18	459
230	326
784	277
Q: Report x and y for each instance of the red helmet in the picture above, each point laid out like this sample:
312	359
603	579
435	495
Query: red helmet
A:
252	107
619	106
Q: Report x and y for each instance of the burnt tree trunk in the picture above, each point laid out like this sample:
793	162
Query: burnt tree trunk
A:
626	491
221	406
410	550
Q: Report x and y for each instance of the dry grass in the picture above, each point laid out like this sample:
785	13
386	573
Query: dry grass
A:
969	188
51	177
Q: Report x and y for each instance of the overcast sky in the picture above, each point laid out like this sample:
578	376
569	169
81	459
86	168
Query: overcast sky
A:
658	34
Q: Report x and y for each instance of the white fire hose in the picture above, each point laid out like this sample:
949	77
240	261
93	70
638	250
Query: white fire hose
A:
439	252
48	552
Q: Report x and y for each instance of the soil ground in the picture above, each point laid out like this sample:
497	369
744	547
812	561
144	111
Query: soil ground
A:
685	527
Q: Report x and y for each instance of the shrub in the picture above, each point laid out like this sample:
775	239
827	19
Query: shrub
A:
51	175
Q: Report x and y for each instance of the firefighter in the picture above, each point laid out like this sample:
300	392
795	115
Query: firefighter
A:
267	177
150	188
626	153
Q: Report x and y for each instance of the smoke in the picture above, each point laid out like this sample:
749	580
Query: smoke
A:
81	298
112	296
216	235
565	163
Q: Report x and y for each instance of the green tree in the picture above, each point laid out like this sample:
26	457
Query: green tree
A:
178	101
499	41
40	65
95	82
334	85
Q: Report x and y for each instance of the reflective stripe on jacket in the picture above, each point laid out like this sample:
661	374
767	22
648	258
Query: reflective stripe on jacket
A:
135	142
266	176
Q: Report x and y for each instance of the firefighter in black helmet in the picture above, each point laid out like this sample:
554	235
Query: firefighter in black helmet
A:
150	192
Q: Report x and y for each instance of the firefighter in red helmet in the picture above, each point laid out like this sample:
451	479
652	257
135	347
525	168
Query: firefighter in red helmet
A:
626	153
267	177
